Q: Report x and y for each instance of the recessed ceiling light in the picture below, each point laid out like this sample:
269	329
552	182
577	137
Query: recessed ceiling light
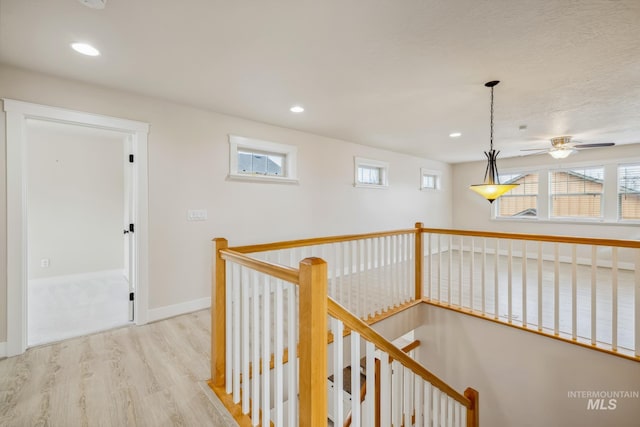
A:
85	49
455	134
296	109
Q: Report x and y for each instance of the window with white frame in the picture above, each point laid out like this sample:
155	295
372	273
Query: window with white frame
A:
629	192
576	192
522	201
257	160
429	179
371	173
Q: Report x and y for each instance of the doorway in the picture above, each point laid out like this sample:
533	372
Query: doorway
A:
77	209
20	118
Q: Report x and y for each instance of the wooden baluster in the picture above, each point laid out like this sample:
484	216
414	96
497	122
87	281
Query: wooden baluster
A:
574	293
242	341
509	280
594	275
240	332
265	288
472	257
614	299
556	289
637	301
524	283
255	348
540	286
279	355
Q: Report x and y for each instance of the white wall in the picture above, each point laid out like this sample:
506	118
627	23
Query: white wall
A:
188	164
75	198
524	379
472	212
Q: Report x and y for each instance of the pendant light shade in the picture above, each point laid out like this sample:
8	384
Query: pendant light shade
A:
491	188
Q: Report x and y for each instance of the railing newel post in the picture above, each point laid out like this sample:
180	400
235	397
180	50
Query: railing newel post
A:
473	412
419	260
313	342
218	313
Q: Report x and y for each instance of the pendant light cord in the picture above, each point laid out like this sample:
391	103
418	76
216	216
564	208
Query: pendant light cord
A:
491	118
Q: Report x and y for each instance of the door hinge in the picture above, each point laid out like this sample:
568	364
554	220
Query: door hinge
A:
130	158
131	228
131	296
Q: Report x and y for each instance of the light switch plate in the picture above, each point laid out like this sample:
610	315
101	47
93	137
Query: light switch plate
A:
197	215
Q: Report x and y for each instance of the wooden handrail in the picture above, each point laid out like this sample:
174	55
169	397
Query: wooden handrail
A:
635	244
288	274
317	241
363	390
353	322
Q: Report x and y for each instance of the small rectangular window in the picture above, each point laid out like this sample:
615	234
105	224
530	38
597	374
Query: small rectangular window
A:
258	163
429	179
629	192
257	160
577	192
371	173
522	201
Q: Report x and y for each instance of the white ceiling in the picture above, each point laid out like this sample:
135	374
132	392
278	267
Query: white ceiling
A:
399	75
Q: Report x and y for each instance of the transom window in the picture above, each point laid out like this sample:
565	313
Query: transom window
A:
257	163
577	192
522	201
256	160
629	192
429	179
371	173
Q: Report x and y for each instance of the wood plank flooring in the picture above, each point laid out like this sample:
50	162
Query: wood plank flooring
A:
152	375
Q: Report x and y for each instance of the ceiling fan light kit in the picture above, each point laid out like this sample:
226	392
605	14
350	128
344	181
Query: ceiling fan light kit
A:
561	152
491	189
562	147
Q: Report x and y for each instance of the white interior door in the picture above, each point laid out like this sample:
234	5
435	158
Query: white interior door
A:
129	224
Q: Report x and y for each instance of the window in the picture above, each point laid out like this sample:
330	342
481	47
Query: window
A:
429	179
257	163
629	192
577	192
256	160
522	201
371	173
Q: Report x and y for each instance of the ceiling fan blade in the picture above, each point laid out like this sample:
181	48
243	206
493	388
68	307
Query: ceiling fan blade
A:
534	149
596	145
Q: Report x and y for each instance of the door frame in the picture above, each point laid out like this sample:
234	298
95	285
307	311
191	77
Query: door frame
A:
16	115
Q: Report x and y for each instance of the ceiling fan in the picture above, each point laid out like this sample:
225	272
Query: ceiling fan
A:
562	147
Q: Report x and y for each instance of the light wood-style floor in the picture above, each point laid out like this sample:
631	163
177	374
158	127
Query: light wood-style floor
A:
152	375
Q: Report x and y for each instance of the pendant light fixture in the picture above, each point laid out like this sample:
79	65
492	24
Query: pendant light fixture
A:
492	189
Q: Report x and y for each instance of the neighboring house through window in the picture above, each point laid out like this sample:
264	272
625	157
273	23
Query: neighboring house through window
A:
629	192
522	201
577	192
256	160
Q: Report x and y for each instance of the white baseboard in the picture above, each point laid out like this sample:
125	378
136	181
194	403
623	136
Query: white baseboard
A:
3	349
178	309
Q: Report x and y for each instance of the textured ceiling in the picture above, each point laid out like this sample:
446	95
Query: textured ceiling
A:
399	75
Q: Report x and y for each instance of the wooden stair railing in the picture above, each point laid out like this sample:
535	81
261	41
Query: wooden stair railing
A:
363	390
310	278
470	397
